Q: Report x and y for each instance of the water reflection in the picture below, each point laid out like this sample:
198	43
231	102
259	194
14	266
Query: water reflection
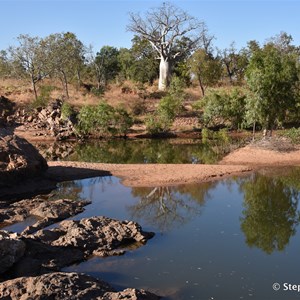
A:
169	207
270	214
152	151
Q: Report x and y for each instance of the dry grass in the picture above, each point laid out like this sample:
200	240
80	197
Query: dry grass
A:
20	92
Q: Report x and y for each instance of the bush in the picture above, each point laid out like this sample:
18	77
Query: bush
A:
293	134
221	107
44	97
67	111
168	107
103	120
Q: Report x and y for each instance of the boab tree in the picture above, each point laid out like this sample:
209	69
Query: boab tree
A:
164	27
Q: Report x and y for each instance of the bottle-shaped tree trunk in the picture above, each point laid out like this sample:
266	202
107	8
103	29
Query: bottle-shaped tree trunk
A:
164	74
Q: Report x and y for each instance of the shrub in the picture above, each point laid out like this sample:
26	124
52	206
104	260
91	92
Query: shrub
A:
44	97
67	111
293	134
168	107
103	120
221	107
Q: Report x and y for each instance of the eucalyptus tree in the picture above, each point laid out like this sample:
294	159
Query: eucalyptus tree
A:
163	27
5	64
29	55
273	79
65	56
206	68
106	65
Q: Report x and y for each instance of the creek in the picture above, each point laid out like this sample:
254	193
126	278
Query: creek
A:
228	239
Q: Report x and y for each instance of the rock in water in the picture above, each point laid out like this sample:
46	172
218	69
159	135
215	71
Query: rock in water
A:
11	250
100	236
63	286
19	160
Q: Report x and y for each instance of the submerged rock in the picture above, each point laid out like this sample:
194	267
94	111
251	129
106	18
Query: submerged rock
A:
97	235
11	250
19	160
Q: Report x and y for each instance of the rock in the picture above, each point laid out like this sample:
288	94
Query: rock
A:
97	235
50	211
62	286
18	160
11	250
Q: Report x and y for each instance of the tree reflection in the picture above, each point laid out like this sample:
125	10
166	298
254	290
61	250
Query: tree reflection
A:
270	216
167	207
150	151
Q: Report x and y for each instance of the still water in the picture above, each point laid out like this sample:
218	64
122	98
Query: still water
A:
226	240
143	150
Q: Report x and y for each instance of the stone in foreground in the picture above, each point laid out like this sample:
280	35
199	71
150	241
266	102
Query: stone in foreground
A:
11	250
62	286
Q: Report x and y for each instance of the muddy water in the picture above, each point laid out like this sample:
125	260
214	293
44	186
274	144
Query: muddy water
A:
230	239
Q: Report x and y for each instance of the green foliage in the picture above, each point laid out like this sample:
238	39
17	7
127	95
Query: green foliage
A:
43	99
206	68
66	110
121	122
293	134
168	107
107	65
223	107
103	120
273	79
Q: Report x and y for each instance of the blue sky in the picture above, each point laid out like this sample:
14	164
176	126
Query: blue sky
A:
103	22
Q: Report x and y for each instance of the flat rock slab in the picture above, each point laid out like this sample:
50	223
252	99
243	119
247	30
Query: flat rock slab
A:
100	236
48	211
63	286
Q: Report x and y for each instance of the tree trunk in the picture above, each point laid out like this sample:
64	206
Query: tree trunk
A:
34	87
201	86
164	74
65	83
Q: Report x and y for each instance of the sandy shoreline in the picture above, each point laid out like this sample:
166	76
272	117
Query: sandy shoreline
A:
149	174
243	160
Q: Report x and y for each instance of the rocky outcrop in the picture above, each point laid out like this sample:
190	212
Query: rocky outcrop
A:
62	286
100	236
48	211
47	121
11	250
18	160
72	242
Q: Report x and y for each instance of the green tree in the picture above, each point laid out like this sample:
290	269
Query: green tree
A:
65	57
30	55
206	68
5	66
223	107
106	65
273	79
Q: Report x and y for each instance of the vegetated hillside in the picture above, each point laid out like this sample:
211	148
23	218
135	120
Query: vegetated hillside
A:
133	97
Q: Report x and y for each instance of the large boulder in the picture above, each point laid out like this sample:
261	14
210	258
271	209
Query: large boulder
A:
62	286
18	159
11	250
